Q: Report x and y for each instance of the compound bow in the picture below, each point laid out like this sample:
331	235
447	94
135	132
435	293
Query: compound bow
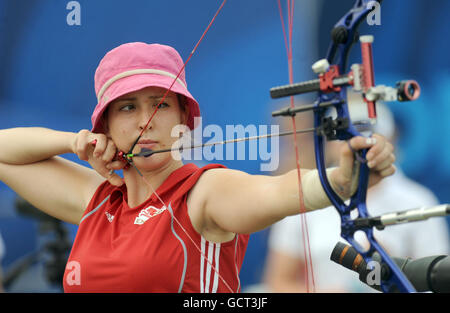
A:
332	87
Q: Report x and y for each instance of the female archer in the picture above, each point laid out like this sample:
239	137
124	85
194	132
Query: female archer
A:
164	226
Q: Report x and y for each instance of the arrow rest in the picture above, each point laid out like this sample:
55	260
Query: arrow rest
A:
329	127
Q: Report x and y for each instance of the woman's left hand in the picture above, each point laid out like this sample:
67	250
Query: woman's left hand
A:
380	160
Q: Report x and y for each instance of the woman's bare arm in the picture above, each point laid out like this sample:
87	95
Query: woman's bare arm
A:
30	166
236	202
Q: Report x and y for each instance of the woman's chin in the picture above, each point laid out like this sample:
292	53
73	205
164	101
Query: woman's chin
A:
152	163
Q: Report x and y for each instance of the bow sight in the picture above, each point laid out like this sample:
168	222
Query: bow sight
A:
360	78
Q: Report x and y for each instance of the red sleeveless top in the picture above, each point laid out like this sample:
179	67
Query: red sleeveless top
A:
150	248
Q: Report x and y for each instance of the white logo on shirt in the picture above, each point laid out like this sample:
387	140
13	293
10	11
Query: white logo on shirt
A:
109	217
147	213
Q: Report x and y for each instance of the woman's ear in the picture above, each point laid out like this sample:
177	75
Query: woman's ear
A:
184	109
186	115
104	123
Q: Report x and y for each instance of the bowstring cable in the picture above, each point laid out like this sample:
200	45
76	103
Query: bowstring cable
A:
151	117
305	233
179	73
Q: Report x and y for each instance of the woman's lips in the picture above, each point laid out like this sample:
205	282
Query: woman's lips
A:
147	144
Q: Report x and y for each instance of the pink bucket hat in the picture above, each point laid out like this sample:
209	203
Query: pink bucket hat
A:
134	66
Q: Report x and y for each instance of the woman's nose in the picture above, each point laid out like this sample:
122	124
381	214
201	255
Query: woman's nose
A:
146	117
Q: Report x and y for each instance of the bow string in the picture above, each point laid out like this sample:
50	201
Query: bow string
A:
128	157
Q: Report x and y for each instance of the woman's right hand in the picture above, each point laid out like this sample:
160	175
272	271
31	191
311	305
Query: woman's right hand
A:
100	152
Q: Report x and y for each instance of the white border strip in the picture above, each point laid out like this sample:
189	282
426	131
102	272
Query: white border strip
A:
136	72
213	252
216	272
94	210
183	245
202	265
208	266
235	264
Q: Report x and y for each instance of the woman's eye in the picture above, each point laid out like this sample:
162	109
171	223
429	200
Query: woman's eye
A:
127	107
163	105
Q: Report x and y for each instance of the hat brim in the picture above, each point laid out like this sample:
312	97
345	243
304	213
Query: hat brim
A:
137	82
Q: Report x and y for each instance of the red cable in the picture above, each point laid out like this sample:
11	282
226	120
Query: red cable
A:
184	65
151	117
305	237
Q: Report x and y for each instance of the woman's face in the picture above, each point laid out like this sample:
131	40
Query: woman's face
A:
128	115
